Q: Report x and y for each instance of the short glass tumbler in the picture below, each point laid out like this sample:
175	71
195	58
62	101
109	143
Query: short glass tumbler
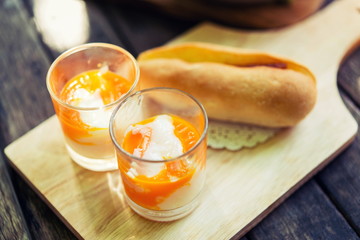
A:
86	83
163	188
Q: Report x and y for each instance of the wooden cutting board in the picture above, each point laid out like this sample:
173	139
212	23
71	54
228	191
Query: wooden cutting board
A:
242	187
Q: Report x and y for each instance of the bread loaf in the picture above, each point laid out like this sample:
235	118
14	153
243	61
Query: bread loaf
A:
233	84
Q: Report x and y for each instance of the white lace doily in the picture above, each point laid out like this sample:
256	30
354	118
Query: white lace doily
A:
234	136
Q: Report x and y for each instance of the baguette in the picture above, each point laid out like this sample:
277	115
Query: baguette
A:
237	85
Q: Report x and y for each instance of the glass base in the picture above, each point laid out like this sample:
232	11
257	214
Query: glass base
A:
98	165
163	215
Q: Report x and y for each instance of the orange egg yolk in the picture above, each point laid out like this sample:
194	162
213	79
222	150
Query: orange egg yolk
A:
110	87
173	175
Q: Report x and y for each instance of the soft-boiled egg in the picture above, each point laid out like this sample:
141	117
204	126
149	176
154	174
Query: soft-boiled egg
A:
94	89
164	184
155	140
99	118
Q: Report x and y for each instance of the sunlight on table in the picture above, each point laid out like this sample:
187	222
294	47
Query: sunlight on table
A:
64	24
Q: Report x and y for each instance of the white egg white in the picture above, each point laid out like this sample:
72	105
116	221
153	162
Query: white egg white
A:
164	144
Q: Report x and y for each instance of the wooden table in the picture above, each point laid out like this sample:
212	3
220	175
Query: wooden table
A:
326	207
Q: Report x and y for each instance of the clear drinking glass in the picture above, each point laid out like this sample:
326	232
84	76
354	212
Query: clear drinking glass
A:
85	84
161	188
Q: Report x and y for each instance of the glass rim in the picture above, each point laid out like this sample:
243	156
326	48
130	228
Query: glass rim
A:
124	100
82	47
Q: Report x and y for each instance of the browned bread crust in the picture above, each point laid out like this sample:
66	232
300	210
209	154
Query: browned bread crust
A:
233	84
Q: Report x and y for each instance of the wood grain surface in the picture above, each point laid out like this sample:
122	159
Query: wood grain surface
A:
86	211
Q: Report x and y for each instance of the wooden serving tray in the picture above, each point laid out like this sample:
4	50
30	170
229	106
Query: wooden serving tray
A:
242	187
